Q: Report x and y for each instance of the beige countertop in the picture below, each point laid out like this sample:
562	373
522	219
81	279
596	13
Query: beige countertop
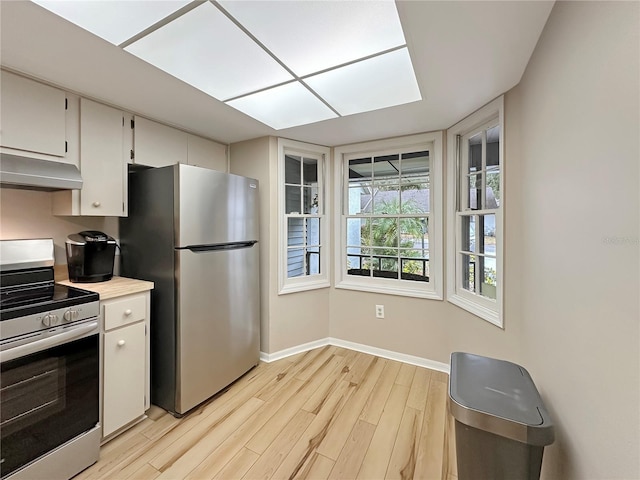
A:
116	287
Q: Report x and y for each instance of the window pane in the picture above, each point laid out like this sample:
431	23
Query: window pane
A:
415	164
385	262
313	261
384	232
468	238
313	231
468	272
295	231
386	199
295	262
292	199
358	231
310	197
415	265
360	200
420	154
414	233
360	169
489	280
489	238
493	146
359	264
475	153
415	198
475	192
292	169
493	188
386	167
310	171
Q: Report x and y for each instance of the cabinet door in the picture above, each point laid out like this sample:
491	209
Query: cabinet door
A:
102	164
206	153
157	145
33	116
124	377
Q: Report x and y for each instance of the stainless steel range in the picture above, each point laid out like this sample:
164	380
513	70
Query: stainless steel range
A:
49	355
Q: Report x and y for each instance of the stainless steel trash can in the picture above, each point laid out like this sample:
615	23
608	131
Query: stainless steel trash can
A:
501	423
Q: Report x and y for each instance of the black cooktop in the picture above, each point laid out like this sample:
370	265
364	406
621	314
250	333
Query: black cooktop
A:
27	293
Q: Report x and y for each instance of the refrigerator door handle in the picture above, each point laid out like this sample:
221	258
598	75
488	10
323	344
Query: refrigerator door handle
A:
219	246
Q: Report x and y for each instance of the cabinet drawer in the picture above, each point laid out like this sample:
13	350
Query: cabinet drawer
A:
123	312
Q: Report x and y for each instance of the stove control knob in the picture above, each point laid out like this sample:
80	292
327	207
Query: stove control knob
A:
50	319
70	315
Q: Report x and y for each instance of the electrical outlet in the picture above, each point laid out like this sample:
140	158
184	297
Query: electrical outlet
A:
379	311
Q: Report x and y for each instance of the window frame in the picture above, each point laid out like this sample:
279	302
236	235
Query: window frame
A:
305	282
479	121
433	142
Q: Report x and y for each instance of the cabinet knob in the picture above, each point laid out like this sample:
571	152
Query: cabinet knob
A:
96	204
121	343
127	312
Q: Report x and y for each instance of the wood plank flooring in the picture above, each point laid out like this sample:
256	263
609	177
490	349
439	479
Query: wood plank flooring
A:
330	413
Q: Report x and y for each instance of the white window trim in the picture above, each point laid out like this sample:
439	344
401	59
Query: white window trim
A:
434	288
481	307
307	282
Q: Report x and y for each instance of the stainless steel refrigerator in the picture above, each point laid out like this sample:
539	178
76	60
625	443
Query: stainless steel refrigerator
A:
194	233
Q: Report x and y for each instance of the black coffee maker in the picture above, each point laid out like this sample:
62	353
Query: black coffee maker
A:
90	256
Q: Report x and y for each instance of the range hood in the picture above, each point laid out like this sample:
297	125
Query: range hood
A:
38	174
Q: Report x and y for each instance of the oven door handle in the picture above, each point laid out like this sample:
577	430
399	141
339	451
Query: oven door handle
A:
53	341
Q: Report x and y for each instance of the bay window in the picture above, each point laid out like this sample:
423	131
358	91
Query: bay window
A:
303	238
476	165
389	207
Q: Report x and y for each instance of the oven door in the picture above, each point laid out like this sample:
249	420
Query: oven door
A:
49	392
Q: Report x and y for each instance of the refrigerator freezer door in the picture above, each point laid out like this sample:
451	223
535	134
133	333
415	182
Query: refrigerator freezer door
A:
214	207
218	320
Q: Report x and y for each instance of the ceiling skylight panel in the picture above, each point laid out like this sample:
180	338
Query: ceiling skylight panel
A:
310	36
205	49
114	21
284	106
383	81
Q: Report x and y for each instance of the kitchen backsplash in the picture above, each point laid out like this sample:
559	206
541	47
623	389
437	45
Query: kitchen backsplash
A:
27	214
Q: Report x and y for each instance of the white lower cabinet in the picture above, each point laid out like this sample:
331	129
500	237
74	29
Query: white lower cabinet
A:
125	360
124	352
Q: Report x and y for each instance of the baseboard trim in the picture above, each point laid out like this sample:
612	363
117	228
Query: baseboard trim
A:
391	355
358	347
287	352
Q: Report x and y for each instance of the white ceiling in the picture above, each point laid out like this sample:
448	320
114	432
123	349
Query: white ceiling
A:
464	55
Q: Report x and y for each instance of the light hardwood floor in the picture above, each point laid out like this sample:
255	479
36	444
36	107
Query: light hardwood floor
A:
329	413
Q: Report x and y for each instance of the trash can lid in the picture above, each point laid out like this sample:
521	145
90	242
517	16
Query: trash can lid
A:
499	397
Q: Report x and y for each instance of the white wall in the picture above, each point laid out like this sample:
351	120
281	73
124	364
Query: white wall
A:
433	329
287	320
251	159
572	250
27	214
580	157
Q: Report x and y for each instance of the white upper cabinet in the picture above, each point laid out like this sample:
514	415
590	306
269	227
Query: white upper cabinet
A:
103	165
206	153
157	145
32	116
